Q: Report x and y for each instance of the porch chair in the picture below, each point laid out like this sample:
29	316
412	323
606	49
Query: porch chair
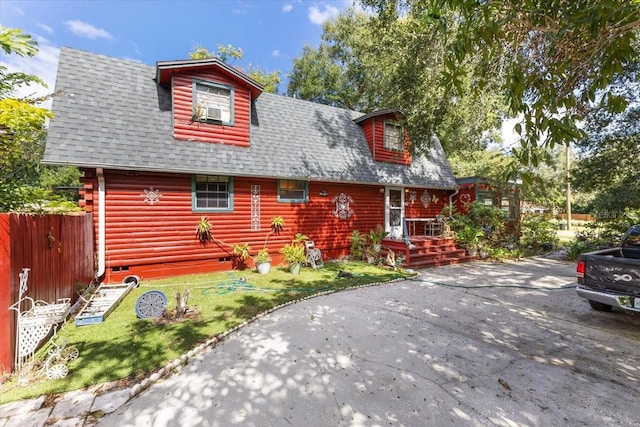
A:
437	226
314	255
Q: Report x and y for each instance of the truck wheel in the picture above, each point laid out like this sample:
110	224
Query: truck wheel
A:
599	306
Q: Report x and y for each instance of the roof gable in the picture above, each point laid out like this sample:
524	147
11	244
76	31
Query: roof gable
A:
165	69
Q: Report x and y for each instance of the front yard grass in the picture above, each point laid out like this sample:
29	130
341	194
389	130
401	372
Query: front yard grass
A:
127	348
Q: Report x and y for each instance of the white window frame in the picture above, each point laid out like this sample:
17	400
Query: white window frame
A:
209	97
397	145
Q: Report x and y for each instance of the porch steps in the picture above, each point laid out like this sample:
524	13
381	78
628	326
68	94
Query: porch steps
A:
427	252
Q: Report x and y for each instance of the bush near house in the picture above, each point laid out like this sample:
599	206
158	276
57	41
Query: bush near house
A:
539	232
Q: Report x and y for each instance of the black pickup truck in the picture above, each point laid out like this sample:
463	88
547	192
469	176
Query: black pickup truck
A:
611	277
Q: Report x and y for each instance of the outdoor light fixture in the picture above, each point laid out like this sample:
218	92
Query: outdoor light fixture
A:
324	193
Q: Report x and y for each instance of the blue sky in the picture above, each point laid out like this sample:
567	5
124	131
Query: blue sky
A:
270	32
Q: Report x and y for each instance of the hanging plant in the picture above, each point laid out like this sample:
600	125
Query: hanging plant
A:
277	223
203	230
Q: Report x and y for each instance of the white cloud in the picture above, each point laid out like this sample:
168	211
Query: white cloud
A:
319	17
242	8
287	8
18	11
84	29
45	27
276	54
43	64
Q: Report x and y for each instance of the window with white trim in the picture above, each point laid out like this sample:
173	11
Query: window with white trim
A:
212	193
393	136
293	191
212	102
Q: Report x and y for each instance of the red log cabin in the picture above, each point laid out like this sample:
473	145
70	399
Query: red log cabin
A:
162	146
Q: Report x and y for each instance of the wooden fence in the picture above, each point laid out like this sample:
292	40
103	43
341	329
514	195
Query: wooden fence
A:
578	217
58	250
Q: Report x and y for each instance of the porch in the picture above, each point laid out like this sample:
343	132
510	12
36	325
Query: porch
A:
427	251
427	242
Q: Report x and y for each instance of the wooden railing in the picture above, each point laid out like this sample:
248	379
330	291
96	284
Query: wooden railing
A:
423	227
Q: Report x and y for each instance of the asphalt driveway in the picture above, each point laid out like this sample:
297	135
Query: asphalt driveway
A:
476	344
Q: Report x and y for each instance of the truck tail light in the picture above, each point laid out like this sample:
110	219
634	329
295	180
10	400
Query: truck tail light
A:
580	269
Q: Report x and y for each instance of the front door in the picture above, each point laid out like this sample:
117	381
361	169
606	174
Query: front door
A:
394	211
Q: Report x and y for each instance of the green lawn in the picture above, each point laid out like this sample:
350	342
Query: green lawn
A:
125	347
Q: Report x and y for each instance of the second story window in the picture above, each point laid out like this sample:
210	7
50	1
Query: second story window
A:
212	102
393	136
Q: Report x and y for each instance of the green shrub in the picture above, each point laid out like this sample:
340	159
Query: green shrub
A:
488	219
578	247
358	242
538	231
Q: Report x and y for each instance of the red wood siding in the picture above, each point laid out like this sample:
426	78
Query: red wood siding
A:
466	196
159	240
373	129
368	129
184	128
438	199
382	154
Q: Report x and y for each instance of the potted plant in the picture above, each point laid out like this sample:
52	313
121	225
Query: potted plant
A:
294	253
376	237
263	261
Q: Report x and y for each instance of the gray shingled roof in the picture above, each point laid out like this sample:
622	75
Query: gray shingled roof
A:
112	114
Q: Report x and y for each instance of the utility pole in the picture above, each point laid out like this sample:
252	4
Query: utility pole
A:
568	176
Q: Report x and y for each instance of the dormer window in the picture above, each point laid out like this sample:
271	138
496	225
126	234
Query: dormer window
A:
393	136
212	103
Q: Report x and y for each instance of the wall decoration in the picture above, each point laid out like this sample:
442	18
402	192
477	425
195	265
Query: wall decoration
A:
425	198
255	208
343	204
412	196
151	196
434	198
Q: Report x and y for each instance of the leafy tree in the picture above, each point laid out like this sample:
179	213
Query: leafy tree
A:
609	167
229	54
23	133
365	63
551	58
22	136
315	77
13	40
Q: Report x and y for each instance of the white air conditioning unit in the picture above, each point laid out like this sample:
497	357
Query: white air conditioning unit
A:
214	113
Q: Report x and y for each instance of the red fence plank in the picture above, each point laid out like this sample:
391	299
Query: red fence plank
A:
59	251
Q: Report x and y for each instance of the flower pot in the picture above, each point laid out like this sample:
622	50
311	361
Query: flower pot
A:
472	252
295	268
264	267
